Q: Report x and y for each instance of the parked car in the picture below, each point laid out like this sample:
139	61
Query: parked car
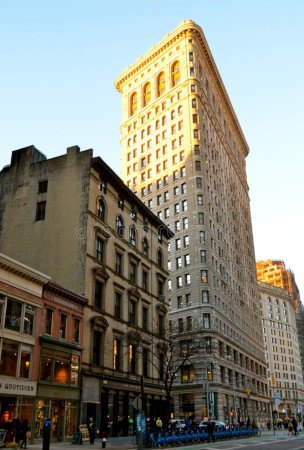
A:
178	423
217	423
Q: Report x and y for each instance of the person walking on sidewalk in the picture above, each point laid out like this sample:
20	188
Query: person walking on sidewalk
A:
295	426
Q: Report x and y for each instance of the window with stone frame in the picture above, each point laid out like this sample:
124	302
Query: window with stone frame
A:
118	305
117	354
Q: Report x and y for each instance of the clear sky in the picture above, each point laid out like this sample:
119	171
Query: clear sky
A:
59	59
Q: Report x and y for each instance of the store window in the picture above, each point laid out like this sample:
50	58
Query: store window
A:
59	367
19	316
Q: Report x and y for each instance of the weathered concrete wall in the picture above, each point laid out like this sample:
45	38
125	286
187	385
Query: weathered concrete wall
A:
51	244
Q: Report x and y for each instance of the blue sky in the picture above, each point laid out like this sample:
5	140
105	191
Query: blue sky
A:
59	60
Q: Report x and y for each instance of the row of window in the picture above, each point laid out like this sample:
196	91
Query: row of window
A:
120	230
164	165
159	123
100	284
160	88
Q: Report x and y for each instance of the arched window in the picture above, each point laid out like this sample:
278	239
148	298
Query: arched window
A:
163	120
160	260
133	236
133	103
145	246
179	109
147	94
101	210
120	227
175	73
161	84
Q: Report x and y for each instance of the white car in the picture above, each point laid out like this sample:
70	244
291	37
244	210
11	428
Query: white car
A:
217	423
178	423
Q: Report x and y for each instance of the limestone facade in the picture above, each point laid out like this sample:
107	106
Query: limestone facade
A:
282	351
183	153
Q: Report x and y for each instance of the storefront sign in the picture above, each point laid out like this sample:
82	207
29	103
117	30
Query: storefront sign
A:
17	387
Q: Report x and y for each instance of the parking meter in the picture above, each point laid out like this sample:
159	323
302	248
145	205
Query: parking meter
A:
46	434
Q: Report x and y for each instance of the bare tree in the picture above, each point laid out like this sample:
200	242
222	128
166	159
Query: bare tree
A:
171	349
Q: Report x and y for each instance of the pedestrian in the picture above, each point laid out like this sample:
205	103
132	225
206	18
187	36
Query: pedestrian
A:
290	428
24	433
92	430
104	435
210	430
294	425
159	424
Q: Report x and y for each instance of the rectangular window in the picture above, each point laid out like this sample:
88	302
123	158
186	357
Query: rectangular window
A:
186	241
132	312
200	200
9	358
40	211
132	358
199	184
145	280
76	330
206	320
185	223
145	318
203	257
179	262
205	296
49	321
187	260
179	302
198	166
201	218
184	205
187	279
25	364
118	263
63	326
180	325
179	282
184	188
189	323
13	315
204	276
96	348
98	294
42	186
117	354
117	306
99	249
133	272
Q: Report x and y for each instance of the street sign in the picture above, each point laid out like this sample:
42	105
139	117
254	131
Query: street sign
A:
277	398
137	403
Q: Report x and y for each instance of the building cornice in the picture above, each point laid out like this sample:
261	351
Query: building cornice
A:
185	28
26	272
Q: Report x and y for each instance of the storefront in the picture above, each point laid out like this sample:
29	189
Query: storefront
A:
16	401
58	391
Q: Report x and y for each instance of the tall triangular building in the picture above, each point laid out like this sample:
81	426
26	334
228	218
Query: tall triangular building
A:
183	153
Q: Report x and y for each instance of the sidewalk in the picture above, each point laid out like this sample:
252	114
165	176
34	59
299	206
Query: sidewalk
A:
125	443
114	443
